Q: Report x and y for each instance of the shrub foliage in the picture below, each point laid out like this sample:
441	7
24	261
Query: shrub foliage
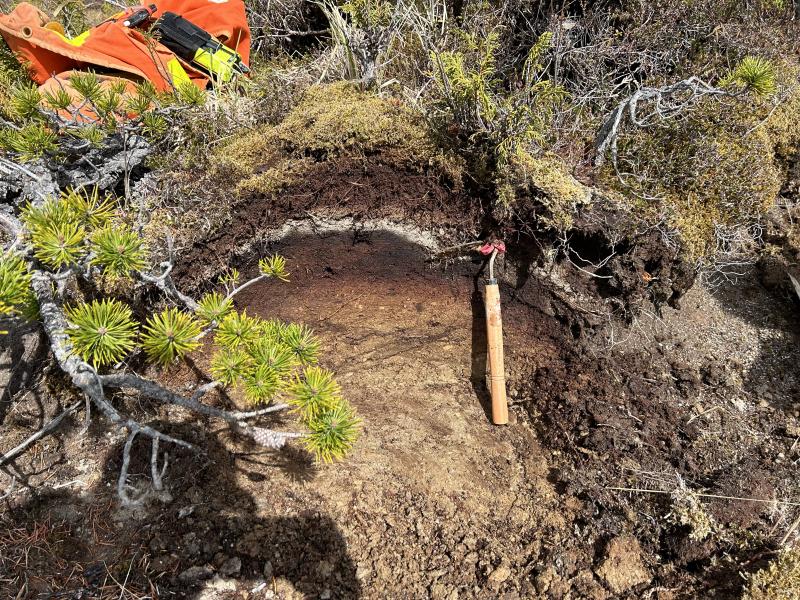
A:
267	360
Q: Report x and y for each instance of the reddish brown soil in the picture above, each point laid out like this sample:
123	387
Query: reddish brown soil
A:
359	188
435	501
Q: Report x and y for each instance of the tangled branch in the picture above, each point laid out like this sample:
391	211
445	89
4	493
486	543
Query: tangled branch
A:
649	106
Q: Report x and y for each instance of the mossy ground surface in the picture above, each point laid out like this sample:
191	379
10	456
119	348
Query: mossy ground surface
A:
722	165
331	122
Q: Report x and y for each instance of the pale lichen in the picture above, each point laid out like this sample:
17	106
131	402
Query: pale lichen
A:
779	579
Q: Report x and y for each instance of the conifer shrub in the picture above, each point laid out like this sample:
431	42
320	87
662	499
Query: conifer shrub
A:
12	75
502	123
41	122
72	241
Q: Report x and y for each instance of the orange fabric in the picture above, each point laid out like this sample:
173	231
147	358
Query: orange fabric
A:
113	46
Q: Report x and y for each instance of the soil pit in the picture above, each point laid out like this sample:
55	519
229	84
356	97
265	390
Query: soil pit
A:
435	501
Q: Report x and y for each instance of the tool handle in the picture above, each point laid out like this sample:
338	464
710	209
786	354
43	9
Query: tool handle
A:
494	338
138	15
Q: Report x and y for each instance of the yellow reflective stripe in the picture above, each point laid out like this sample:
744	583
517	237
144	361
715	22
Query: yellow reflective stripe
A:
177	73
218	63
78	40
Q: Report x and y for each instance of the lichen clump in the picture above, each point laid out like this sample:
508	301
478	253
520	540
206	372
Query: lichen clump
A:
780	579
688	511
330	122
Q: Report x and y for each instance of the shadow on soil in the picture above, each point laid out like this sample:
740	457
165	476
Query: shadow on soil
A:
773	377
212	536
479	347
22	352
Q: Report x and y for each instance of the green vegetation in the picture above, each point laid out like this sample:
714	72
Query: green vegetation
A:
756	74
546	179
170	335
718	165
79	233
478	101
213	307
40	121
15	282
118	250
103	332
331	122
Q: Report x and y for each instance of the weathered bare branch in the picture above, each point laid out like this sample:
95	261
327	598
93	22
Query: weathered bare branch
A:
660	104
157	392
47	429
166	284
244	286
123	471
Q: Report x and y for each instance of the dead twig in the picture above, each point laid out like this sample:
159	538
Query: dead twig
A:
47	429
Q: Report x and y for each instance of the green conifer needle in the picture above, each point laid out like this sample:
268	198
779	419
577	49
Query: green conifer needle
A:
302	342
274	354
15	282
261	384
169	335
59	244
333	433
228	365
274	266
313	393
212	308
118	249
104	331
236	329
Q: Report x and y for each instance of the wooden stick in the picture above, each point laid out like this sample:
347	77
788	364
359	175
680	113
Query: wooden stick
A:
494	338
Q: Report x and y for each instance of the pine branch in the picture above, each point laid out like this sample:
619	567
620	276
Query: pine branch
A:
156	392
166	284
83	376
244	286
164	281
48	289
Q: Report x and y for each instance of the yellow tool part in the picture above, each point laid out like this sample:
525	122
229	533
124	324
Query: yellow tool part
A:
219	61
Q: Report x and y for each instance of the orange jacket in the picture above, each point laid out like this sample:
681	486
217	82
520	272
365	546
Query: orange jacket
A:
112	46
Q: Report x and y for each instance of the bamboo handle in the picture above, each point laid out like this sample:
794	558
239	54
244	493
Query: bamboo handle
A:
494	338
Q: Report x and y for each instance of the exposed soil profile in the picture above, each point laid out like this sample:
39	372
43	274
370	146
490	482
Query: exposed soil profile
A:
435	501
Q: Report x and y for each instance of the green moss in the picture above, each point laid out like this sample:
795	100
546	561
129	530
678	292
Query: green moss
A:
721	166
333	121
543	179
274	179
780	579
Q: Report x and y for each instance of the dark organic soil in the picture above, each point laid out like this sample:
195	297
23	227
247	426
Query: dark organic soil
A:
358	188
435	501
